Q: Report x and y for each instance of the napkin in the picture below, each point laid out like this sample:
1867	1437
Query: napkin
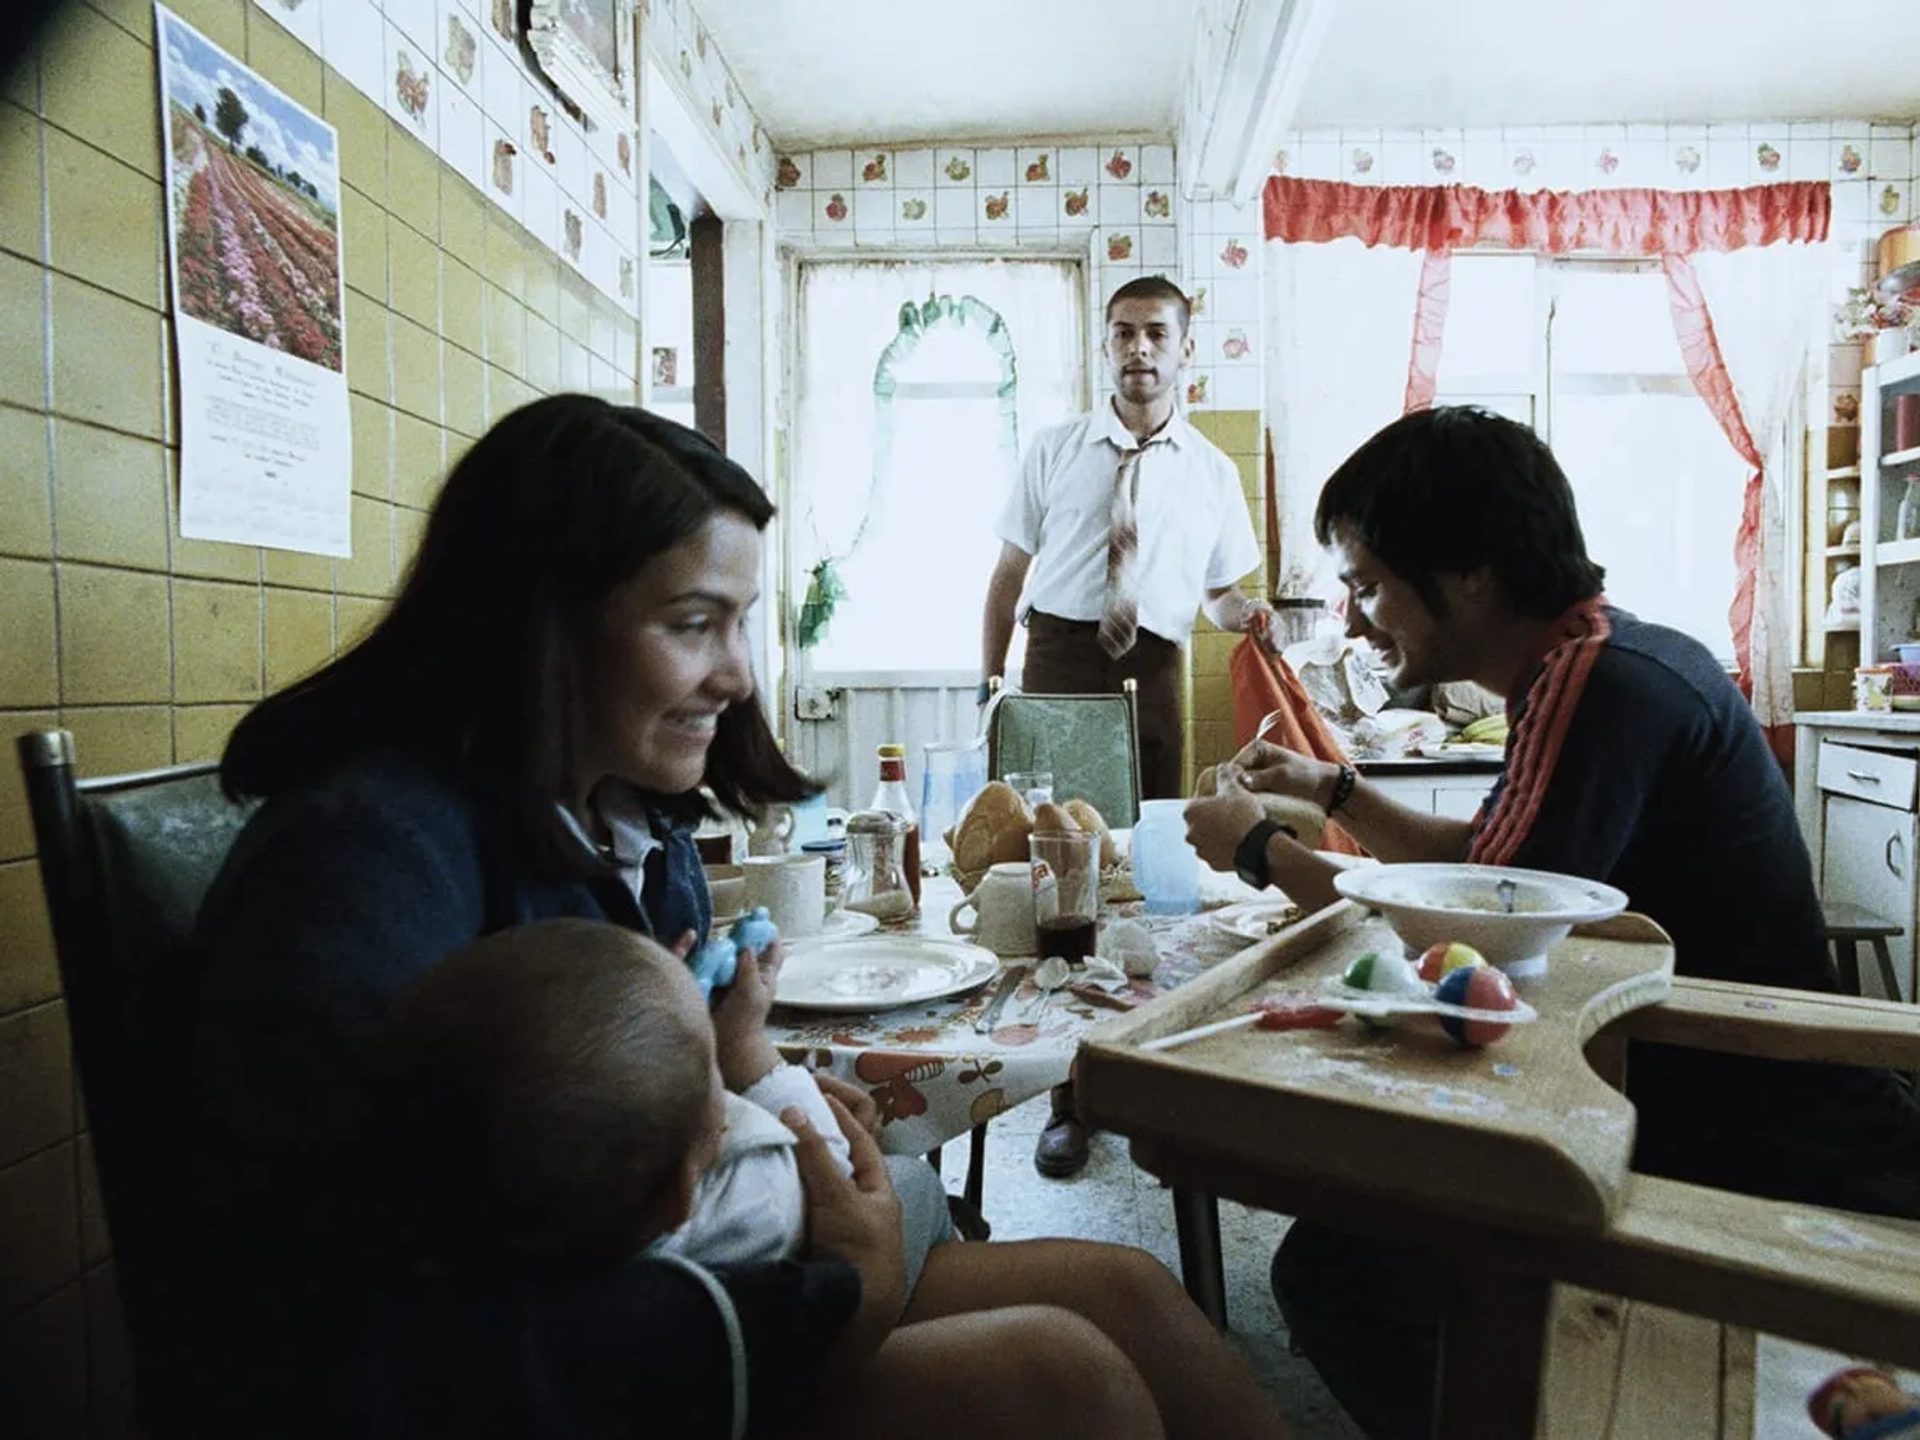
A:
1127	945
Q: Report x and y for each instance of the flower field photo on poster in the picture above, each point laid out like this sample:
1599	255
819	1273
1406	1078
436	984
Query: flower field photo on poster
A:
254	203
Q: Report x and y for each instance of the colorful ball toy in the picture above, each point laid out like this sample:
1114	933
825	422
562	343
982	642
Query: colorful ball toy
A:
1443	959
1477	987
1383	975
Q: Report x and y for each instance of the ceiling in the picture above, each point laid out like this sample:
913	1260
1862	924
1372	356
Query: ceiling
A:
840	72
1540	62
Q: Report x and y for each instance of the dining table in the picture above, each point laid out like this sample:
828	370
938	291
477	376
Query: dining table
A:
942	1069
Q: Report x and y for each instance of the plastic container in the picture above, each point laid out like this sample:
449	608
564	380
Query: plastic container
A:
1166	869
1909	652
953	773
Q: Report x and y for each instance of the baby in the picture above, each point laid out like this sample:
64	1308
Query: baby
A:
549	1099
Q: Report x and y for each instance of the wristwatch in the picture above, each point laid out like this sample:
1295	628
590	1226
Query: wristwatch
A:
1250	855
985	692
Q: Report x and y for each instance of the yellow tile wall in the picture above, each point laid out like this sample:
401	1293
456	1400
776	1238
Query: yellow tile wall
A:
1209	692
147	646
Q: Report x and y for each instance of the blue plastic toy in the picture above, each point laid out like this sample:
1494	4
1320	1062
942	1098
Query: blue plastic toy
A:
714	963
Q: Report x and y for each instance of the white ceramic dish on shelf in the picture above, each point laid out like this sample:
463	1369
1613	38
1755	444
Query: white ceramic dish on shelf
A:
880	972
1468	904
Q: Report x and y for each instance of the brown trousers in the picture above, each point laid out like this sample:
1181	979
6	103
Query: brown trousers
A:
1064	658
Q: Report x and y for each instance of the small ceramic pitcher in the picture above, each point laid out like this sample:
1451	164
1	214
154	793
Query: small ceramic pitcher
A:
772	833
1003	912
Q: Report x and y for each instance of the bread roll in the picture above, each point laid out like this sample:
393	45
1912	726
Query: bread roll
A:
1048	816
994	830
1092	820
1306	820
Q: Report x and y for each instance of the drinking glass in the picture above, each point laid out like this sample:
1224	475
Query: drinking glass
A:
1035	785
952	774
1065	866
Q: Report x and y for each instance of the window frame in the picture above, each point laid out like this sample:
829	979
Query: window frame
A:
1541	385
794	575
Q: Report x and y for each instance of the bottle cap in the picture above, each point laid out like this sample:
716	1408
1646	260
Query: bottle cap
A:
892	752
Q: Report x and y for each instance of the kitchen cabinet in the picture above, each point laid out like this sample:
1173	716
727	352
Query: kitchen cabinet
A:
1453	788
1889	468
1856	793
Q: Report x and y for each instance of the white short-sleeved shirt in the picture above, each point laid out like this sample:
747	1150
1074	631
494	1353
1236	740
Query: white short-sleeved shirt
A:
1195	532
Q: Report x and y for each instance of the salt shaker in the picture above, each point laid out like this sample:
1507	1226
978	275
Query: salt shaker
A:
874	881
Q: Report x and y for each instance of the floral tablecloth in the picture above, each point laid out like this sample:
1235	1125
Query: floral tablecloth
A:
934	1077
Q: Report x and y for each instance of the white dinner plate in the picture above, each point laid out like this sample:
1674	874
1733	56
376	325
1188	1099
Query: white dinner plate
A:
840	925
1465	750
879	972
1253	920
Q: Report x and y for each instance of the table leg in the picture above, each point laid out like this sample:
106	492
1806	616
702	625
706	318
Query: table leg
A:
1889	982
976	1165
1493	1346
1196	1218
1846	954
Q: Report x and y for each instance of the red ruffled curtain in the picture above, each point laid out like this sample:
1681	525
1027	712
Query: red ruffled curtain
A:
1440	219
1553	222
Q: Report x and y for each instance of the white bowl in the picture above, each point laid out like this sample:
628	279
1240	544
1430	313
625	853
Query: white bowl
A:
1435	904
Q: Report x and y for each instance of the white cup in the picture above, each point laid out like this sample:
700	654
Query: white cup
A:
792	887
1003	911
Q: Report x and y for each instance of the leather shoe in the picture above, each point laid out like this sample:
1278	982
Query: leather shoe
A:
1062	1150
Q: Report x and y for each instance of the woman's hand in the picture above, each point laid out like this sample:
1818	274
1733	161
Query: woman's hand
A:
1216	824
740	1042
855	1218
1267	767
858	1103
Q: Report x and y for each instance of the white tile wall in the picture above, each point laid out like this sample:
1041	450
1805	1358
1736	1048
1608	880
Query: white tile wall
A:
447	72
1019	196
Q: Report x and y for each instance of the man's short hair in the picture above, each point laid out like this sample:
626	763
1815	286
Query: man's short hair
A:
1454	489
1158	289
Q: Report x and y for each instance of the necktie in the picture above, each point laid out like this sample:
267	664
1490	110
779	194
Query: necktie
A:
1120	614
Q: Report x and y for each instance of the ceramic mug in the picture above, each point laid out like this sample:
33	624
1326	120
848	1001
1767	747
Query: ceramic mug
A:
1003	912
792	887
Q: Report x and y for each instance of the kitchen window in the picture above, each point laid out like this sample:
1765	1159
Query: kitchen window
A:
917	386
1584	351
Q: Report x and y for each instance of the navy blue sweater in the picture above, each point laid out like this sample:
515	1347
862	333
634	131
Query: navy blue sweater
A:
331	902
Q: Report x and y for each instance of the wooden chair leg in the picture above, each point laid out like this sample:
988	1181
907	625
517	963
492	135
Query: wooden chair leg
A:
1884	958
1493	1344
1196	1219
1846	955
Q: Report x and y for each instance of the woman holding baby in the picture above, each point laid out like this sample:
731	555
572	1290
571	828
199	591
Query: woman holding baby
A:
524	738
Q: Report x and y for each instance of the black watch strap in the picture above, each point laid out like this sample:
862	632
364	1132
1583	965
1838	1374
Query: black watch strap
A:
1250	855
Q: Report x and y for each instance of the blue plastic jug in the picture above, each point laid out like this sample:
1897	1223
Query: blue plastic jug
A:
1165	867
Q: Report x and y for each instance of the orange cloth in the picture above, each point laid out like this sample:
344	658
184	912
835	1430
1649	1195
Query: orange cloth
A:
1270	703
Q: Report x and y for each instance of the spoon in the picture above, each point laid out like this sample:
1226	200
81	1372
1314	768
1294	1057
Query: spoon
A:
1506	890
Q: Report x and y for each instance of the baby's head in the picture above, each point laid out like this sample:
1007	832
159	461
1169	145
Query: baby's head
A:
543	1100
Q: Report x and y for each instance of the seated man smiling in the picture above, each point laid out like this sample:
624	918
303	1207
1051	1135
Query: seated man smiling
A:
1634	760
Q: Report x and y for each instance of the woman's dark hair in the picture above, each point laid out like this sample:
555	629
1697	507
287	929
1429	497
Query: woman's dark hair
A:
476	667
1450	490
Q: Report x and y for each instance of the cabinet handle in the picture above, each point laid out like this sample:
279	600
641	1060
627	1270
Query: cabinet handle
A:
1896	858
1865	777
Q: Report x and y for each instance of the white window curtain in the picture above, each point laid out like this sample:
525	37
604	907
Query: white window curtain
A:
1340	320
902	490
1765	302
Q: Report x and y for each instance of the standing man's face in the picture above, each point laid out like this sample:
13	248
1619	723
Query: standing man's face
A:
1147	347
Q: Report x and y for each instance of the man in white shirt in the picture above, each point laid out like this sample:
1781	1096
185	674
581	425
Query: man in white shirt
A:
1123	523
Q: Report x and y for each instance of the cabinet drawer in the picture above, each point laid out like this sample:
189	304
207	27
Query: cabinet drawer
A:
1868	774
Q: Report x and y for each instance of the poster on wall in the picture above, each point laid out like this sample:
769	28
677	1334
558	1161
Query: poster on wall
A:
253	209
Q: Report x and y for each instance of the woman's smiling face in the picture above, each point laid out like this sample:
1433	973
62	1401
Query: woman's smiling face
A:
666	652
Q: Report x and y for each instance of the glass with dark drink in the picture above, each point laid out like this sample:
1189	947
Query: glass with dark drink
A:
1066	891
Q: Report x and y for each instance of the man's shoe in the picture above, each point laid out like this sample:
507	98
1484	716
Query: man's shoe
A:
1062	1150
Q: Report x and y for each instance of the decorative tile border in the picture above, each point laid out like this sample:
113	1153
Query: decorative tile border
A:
690	58
1120	193
449	73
